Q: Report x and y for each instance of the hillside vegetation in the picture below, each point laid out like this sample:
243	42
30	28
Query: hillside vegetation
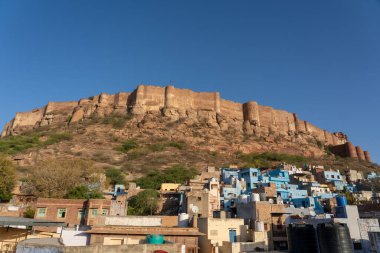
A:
142	148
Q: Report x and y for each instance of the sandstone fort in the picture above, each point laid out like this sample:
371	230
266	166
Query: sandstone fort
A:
175	104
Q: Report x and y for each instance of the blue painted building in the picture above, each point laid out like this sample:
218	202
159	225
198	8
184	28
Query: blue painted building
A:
372	175
228	174
252	178
230	193
334	177
279	177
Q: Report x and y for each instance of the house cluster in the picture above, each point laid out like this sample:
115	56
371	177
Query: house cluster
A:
225	210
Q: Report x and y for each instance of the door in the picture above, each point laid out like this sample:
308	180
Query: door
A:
233	235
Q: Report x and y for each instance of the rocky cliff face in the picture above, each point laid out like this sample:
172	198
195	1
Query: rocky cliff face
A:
275	127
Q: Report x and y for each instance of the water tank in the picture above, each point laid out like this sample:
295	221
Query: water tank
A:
302	238
155	239
255	197
334	237
259	226
341	200
183	220
243	198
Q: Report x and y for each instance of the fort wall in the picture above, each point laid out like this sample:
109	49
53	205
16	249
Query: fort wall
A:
60	107
231	109
360	153
258	119
28	119
367	156
266	116
284	121
316	132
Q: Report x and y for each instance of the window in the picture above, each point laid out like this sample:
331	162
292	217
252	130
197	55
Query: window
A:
80	214
332	176
338	177
104	211
61	213
94	212
41	212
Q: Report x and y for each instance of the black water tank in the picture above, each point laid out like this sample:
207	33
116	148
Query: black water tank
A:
302	238
334	237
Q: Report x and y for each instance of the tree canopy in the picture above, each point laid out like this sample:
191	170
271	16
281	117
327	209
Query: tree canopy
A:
144	203
115	176
82	192
7	178
175	174
56	178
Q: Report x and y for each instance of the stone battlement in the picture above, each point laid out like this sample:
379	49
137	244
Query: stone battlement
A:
253	118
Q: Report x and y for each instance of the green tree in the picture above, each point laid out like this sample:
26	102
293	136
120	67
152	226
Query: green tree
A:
82	192
115	176
7	178
175	174
29	212
144	203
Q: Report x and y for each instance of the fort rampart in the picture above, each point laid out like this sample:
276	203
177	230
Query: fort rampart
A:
254	118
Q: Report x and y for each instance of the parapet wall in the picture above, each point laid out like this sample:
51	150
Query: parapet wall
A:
256	119
349	150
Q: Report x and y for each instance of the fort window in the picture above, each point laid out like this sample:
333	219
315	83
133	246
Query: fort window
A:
61	213
41	212
104	212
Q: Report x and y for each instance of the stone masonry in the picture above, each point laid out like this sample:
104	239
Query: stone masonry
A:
175	104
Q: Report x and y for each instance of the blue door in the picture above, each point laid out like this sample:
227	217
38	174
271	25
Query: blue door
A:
233	235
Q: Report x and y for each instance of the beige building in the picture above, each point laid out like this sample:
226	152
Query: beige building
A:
353	175
203	202
219	231
169	187
271	217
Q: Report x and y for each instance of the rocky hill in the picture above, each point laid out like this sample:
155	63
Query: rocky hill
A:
154	127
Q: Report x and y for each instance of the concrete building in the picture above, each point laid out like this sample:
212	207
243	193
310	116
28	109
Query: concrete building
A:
359	228
332	177
71	211
228	174
300	176
53	245
169	187
353	176
220	230
273	217
316	189
372	175
132	230
252	178
230	193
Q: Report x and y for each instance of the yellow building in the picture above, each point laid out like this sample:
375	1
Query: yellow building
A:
169	187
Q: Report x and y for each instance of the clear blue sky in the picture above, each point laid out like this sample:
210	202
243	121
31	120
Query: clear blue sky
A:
320	59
